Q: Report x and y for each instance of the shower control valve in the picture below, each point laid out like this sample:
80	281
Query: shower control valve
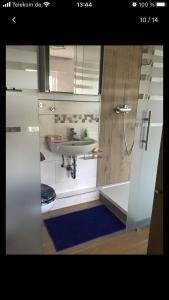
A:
122	109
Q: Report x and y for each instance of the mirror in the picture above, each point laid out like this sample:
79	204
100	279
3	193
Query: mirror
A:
70	69
61	69
87	70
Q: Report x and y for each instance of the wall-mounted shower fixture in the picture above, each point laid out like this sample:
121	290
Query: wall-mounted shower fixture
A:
124	109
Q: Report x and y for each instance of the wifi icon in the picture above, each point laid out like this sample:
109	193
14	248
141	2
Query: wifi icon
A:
46	4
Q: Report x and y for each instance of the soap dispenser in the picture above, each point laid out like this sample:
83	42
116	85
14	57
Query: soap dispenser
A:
85	135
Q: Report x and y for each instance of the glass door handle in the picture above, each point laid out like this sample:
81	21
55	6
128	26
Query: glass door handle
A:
148	128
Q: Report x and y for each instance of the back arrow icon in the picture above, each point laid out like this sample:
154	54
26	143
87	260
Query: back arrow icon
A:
14	19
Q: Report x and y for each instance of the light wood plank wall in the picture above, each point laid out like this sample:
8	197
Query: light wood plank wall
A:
121	77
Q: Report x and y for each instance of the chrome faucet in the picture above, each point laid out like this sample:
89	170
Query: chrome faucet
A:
72	134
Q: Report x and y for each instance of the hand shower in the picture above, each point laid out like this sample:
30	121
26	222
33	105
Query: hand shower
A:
124	109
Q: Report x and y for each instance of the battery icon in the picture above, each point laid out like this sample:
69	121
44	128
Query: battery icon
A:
160	4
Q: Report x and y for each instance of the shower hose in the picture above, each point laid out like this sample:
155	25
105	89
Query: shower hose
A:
128	151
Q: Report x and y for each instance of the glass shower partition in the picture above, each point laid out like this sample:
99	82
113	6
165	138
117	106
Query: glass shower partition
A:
148	131
23	201
23	208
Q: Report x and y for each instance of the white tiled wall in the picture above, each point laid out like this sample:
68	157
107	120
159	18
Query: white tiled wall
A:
51	171
46	125
68	107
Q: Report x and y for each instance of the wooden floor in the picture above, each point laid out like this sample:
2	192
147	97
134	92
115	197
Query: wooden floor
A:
133	242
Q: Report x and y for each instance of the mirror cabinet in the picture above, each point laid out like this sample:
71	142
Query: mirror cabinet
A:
70	69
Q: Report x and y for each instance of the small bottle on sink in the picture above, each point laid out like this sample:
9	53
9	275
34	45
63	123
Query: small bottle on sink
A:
85	135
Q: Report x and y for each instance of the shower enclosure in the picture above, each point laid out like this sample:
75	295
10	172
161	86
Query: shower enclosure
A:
148	132
134	197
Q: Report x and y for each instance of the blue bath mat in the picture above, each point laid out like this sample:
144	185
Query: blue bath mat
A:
82	226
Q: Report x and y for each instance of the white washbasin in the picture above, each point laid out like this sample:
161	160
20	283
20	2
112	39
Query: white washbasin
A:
75	147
